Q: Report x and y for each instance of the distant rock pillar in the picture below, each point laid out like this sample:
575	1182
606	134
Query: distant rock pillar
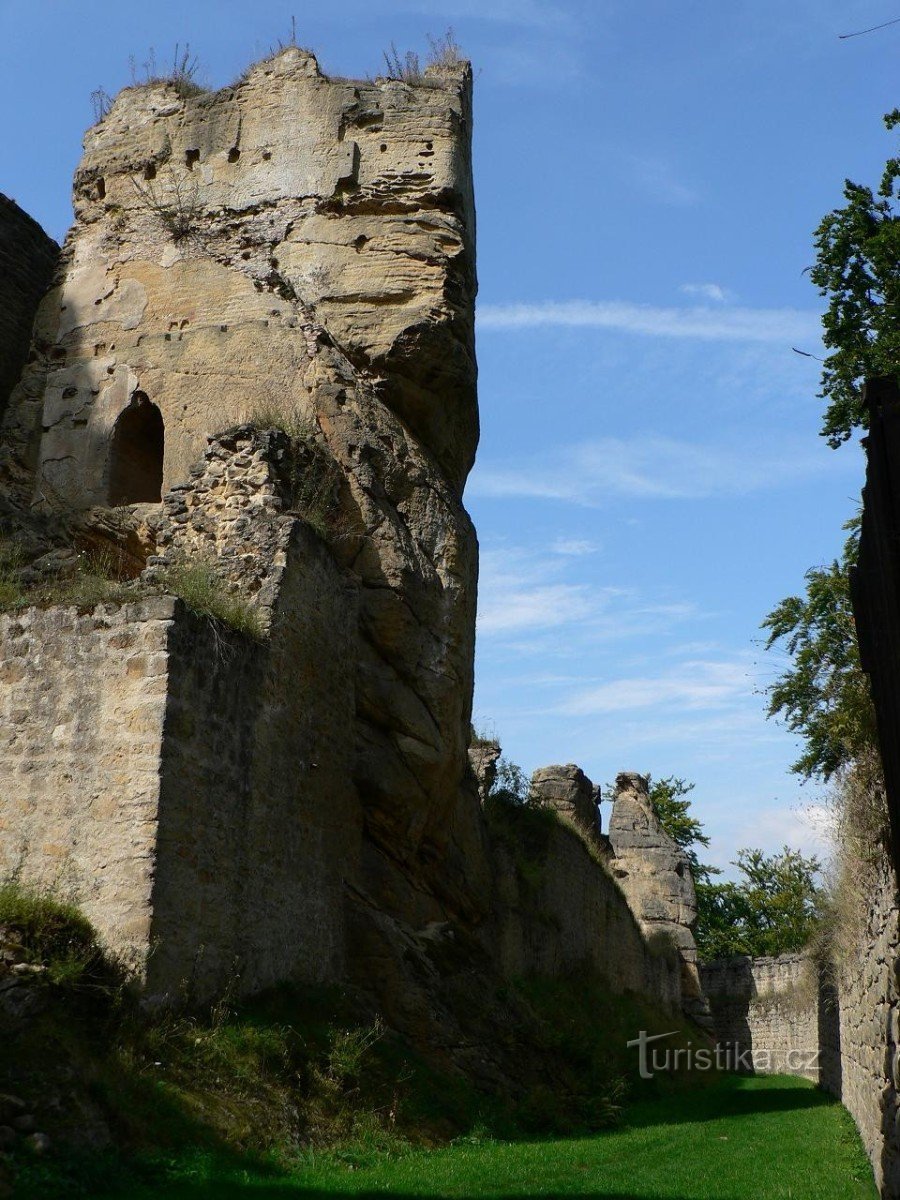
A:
654	874
568	790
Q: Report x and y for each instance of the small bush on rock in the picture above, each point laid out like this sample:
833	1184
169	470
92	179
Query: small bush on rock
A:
205	592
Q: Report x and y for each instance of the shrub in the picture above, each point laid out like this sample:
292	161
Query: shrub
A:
443	53
182	75
177	209
314	476
201	587
51	932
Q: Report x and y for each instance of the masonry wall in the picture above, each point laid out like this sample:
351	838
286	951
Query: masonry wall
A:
27	261
82	709
861	1034
187	786
562	913
258	821
766	1011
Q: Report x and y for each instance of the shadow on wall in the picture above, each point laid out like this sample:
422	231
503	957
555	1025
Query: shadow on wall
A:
829	1017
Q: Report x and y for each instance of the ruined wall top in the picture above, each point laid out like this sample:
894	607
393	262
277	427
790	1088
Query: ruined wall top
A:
221	239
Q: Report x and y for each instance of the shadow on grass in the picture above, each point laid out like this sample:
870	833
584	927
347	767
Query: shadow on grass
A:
732	1098
238	1191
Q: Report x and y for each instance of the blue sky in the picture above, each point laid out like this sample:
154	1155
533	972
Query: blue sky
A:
650	479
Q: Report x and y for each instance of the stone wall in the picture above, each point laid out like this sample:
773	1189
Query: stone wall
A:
766	1013
190	788
27	261
82	709
559	912
860	1031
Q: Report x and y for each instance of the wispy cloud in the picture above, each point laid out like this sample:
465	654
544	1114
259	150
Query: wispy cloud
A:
659	181
655	468
574	547
528	592
706	291
702	323
692	685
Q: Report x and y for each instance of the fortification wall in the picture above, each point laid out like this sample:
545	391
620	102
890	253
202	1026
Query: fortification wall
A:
189	787
861	1032
82	710
562	913
766	1012
27	262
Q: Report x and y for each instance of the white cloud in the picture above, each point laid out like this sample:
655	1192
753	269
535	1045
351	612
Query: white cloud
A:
808	828
786	326
526	592
573	547
706	291
536	607
694	685
657	468
657	179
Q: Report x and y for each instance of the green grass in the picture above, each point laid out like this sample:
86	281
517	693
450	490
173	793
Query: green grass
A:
744	1139
201	587
49	932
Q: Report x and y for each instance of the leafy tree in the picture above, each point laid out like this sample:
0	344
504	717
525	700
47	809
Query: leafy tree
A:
773	909
857	269
511	784
824	694
668	799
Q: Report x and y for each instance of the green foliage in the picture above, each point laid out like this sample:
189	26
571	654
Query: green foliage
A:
810	1151
857	269
201	587
511	785
175	203
823	696
775	908
673	811
51	932
95	579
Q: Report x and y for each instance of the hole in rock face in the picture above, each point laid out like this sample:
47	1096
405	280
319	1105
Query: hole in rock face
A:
234	154
150	171
136	454
101	189
191	157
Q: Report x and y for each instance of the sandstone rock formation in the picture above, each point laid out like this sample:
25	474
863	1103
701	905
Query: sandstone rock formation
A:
654	873
483	759
258	359
297	250
567	789
27	262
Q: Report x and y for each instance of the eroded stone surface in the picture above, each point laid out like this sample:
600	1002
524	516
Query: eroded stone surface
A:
27	262
654	873
567	789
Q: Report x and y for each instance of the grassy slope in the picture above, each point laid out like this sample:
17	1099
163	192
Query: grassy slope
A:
742	1139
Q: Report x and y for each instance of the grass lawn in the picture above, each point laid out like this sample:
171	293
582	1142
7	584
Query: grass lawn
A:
772	1138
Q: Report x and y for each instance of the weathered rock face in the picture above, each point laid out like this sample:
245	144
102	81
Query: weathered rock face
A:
483	759
654	873
294	247
27	262
567	789
259	356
